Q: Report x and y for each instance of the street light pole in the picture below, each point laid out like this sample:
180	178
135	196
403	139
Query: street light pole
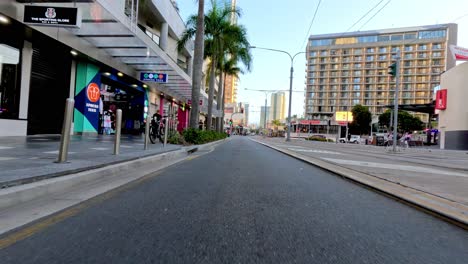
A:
288	137
395	112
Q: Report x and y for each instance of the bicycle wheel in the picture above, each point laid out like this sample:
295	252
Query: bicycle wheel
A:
152	135
161	134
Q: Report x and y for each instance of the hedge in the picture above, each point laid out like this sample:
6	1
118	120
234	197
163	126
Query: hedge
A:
196	136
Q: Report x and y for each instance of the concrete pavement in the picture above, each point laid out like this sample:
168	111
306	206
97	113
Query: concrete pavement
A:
438	180
28	159
241	203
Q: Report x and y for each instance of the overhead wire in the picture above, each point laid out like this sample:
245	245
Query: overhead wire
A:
370	10
375	14
311	23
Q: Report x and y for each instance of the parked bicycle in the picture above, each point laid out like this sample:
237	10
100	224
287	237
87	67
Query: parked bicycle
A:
157	129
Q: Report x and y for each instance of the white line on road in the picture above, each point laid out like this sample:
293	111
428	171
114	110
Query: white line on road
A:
7	158
125	146
315	151
56	152
394	167
100	148
4	147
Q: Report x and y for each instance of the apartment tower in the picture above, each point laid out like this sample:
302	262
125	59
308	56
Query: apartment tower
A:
345	69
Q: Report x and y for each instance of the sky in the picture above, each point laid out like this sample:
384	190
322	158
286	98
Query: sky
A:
284	25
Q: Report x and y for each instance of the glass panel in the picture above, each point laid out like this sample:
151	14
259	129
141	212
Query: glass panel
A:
9	90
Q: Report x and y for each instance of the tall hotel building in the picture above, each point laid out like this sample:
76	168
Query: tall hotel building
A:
346	69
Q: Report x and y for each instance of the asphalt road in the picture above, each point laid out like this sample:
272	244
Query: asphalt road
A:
244	203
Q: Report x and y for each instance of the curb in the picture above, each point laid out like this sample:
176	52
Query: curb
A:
452	211
138	167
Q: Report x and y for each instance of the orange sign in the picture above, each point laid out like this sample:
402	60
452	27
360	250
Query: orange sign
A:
344	116
93	92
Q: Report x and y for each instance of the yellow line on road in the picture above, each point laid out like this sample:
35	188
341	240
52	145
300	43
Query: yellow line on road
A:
48	221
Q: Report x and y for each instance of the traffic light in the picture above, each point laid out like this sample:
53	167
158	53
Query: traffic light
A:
392	69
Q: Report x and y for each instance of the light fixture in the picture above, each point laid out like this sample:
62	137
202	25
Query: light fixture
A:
120	74
4	19
145	86
162	94
73	52
106	73
134	85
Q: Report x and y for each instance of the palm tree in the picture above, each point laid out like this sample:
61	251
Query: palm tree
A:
194	23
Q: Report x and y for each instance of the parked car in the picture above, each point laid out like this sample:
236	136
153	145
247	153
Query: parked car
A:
355	139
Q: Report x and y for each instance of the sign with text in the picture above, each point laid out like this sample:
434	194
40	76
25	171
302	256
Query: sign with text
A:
52	16
344	116
441	99
153	77
459	53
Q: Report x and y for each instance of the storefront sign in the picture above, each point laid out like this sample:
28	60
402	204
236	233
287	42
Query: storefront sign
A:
52	16
153	77
93	94
344	116
441	99
312	122
459	53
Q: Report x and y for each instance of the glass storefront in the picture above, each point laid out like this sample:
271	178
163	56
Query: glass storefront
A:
9	88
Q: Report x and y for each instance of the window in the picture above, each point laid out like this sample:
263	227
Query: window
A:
408	48
436	62
333	88
313	53
437	54
333	52
369	65
357	51
422	47
422	55
369	58
397	37
357	65
346	52
406	86
383	38
344	95
355	101
367	39
431	34
9	89
382	57
394	49
357	73
312	68
321	42
383	49
408	64
334	67
344	80
323	67
332	95
437	46
357	80
410	35
344	87
357	58
323	53
356	87
370	50
368	80
345	66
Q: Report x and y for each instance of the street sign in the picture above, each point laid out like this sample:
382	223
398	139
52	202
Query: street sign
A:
52	16
153	77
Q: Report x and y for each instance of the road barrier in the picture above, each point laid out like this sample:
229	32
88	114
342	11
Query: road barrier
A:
66	129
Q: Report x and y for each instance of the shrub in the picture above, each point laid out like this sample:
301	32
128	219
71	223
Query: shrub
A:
196	136
321	139
176	138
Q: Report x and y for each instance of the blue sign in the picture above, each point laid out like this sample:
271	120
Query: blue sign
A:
153	77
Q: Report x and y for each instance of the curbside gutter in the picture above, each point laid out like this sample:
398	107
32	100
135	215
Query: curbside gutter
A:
137	168
453	212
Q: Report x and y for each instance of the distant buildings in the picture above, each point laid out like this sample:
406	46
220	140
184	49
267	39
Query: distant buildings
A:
263	115
345	69
278	107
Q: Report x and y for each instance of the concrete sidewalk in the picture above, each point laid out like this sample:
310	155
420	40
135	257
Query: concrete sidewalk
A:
28	159
441	174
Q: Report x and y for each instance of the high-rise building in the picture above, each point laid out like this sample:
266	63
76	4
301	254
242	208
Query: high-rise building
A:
263	115
345	69
246	114
278	106
230	84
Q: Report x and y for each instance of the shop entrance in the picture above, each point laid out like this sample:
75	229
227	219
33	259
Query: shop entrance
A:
49	88
116	95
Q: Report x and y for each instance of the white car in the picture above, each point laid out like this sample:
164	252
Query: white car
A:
355	139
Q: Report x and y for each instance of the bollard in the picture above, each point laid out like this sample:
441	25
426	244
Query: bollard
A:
118	126
65	138
165	132
147	129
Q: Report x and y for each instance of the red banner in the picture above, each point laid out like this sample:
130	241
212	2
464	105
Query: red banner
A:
459	53
441	99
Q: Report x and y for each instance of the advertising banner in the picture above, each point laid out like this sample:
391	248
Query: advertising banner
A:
459	53
441	99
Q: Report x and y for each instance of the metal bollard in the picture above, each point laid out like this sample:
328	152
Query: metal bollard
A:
147	129
165	132
65	138
118	126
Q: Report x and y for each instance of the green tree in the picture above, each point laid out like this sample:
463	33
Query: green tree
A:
194	23
361	120
276	123
406	121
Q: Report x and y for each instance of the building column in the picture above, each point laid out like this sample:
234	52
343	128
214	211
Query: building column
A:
26	61
189	65
164	36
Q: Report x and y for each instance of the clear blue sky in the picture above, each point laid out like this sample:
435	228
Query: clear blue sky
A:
284	25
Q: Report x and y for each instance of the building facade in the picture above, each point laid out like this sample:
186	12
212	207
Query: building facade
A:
278	106
345	69
264	114
99	61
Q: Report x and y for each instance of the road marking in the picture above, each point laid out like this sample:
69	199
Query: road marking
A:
7	158
315	151
56	152
100	148
288	146
394	167
125	146
4	147
33	158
